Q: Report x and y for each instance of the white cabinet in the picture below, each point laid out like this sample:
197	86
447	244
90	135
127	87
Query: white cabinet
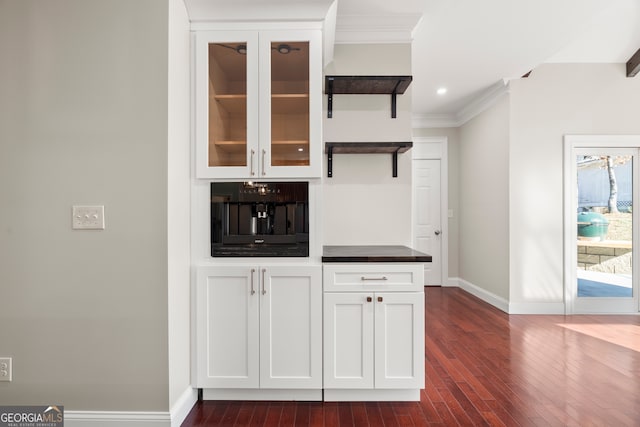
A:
258	98
259	327
373	339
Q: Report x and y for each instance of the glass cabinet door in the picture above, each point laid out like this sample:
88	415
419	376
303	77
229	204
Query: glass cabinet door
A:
226	94
289	103
291	84
227	104
258	104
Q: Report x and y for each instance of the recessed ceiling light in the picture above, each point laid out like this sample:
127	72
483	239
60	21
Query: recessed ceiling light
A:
300	149
441	91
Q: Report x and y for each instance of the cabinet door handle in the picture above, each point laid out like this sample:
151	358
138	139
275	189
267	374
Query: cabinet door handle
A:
264	291
253	291
379	299
264	154
374	278
369	299
253	152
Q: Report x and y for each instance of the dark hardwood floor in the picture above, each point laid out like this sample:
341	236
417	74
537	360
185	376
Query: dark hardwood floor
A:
484	367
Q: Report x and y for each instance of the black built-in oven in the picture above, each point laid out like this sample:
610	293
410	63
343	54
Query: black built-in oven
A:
266	219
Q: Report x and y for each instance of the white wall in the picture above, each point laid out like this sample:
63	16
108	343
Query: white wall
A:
557	99
178	208
363	203
484	200
83	120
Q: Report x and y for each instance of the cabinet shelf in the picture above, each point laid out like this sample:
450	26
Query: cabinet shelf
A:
281	103
392	148
365	85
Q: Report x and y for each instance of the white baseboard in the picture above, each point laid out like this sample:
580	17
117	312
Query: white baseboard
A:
179	412
537	308
504	305
116	419
310	395
182	406
486	296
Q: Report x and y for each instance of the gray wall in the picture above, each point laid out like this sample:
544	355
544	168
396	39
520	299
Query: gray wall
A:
83	120
556	100
484	200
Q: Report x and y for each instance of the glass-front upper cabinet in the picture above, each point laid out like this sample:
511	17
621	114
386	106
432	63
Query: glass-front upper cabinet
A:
258	104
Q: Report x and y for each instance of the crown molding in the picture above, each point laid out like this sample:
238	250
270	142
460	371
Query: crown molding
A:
376	28
426	121
483	101
477	105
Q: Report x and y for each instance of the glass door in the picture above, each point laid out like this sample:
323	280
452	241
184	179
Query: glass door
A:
605	219
226	96
290	106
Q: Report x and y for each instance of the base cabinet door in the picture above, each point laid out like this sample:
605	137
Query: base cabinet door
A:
291	327
399	340
348	340
374	340
259	327
227	309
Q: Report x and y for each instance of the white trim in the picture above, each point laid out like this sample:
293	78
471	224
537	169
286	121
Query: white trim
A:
183	406
379	395
429	121
452	282
536	308
363	29
477	105
261	394
116	419
437	149
486	296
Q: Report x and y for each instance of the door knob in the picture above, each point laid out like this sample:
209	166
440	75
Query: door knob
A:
437	232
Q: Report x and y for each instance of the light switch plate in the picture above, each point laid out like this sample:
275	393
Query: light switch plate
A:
5	369
88	217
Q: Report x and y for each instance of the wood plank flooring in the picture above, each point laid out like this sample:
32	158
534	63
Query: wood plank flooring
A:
485	368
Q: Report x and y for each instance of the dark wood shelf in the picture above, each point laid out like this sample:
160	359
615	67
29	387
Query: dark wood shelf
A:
365	85
392	148
384	253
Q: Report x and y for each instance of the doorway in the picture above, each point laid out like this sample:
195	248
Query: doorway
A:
601	219
430	228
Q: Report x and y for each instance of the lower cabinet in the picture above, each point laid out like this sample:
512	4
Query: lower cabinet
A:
259	327
374	340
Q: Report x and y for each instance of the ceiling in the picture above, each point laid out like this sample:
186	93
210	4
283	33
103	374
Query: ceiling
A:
473	47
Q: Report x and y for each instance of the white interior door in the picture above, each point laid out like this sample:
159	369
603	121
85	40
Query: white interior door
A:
427	236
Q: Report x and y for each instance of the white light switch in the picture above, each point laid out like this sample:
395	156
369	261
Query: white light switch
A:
450	213
88	218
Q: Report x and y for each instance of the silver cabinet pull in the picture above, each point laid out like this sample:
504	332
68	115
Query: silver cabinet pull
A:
253	291
264	291
264	154
374	278
253	152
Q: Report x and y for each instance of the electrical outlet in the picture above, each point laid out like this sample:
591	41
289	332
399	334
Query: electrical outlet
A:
5	369
88	218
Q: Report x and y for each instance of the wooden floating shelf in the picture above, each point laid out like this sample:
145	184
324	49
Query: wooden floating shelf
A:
392	148
366	85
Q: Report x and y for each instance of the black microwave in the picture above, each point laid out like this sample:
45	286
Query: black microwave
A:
261	219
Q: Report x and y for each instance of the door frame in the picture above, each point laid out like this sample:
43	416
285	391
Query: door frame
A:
434	148
573	144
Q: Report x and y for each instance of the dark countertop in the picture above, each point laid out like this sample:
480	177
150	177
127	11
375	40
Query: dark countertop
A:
373	254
